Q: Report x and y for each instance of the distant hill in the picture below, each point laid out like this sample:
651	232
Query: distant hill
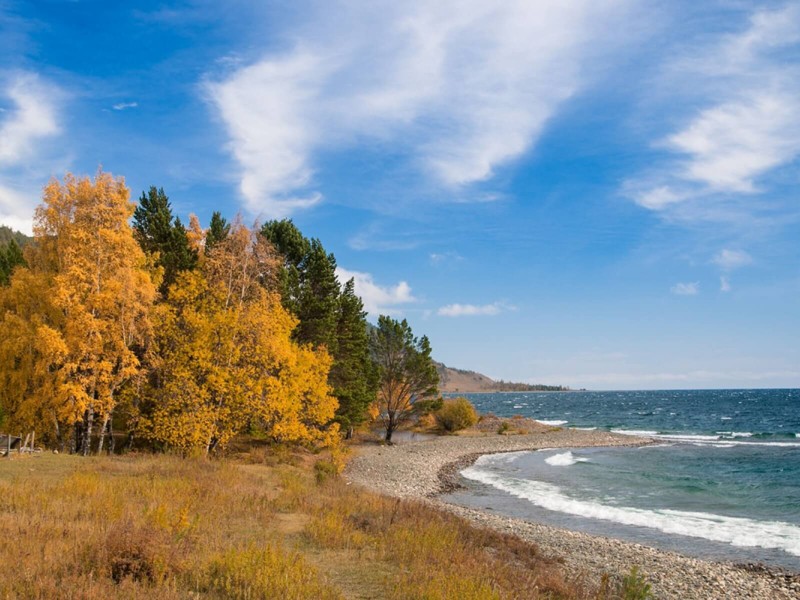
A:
459	380
7	234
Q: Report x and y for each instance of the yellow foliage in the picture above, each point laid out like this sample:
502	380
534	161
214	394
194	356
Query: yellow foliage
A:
76	314
227	360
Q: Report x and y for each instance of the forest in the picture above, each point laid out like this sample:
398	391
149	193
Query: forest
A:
124	328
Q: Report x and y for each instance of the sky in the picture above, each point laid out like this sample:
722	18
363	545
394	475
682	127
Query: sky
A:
602	195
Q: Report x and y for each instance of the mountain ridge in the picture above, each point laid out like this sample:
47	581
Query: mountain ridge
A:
452	380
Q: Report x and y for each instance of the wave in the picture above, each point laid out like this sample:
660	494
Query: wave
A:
585	428
710	440
736	531
564	459
552	423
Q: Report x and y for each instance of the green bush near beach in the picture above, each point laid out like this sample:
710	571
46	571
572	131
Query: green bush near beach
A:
456	414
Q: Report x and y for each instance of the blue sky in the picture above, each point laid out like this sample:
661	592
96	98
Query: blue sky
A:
594	194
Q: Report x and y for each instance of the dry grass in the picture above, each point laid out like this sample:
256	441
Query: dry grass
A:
136	527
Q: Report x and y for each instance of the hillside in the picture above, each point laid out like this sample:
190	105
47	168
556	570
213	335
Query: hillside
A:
7	234
459	380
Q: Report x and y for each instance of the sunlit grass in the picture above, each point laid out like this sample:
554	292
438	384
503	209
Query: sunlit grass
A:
166	527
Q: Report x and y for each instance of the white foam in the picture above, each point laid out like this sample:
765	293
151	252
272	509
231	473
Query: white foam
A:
636	432
552	423
725	418
736	531
585	428
564	459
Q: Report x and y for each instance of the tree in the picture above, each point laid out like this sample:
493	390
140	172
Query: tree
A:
217	231
405	369
294	248
353	376
10	258
227	359
329	316
318	299
160	234
79	310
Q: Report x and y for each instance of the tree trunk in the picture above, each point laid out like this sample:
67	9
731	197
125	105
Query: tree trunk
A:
73	439
88	421
349	434
111	444
103	429
389	431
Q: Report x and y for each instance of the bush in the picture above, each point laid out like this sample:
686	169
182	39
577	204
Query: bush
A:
456	414
426	407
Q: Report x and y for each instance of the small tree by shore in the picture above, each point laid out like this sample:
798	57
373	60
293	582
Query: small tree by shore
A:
407	372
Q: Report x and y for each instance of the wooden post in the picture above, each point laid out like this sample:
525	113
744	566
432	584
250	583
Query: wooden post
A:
33	439
8	443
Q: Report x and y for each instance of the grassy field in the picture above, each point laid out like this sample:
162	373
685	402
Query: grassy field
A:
251	526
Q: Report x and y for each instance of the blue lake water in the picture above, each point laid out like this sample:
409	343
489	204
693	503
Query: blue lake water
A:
723	482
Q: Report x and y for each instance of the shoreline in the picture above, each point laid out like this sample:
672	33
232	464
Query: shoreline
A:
425	470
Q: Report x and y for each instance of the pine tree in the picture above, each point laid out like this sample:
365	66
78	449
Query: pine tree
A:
319	299
158	232
294	248
354	375
218	230
406	371
10	258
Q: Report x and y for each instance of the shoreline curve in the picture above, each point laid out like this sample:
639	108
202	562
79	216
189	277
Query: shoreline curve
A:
424	470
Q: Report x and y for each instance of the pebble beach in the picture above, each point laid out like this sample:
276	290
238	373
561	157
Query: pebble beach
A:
423	470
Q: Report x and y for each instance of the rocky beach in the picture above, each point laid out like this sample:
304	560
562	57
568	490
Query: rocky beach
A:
424	470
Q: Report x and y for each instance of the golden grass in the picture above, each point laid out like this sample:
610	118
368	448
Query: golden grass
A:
161	526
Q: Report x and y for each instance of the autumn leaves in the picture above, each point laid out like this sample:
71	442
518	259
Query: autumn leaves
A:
88	341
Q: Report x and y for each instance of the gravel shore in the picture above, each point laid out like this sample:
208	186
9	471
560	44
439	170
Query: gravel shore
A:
425	469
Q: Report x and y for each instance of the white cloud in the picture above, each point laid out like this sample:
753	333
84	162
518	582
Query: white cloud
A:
31	119
473	310
439	258
729	260
125	105
459	87
724	284
378	299
750	124
686	289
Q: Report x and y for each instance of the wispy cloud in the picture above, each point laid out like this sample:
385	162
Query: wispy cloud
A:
729	260
31	118
749	124
724	283
473	310
378	299
459	88
441	258
686	289
125	105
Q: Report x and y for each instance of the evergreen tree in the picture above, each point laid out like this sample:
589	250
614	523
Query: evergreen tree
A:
354	375
158	232
407	373
327	316
218	230
10	258
319	299
294	248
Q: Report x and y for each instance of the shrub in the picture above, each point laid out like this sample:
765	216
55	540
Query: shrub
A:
324	469
635	586
426	407
504	427
456	414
